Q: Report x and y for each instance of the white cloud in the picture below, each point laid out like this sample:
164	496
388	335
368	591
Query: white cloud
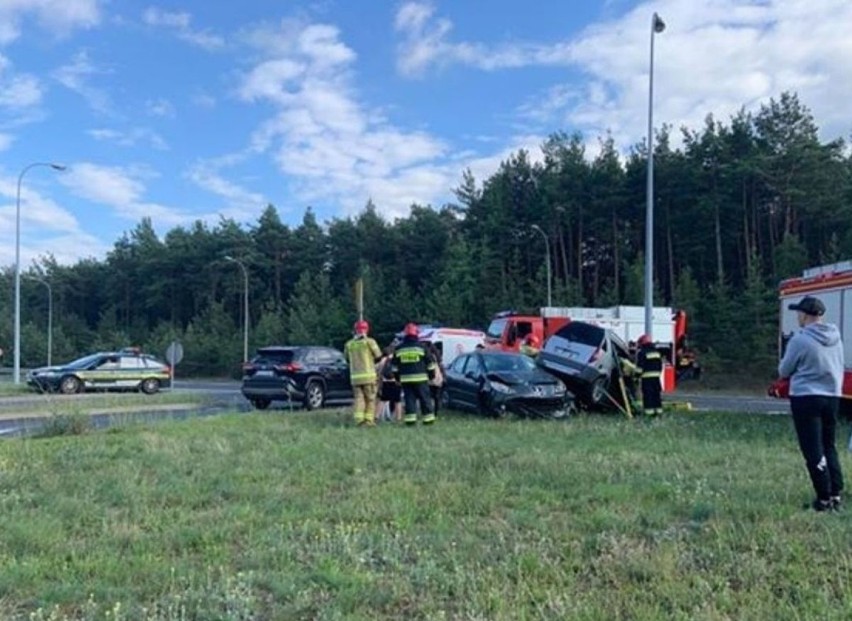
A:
180	23
335	148
6	141
714	57
46	227
425	41
120	188
130	138
241	204
160	107
18	91
75	76
58	17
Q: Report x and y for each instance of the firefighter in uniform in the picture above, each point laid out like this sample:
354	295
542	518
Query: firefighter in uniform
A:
362	352
650	363
531	345
413	367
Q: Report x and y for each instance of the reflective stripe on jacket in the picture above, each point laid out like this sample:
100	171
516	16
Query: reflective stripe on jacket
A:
649	361
412	364
362	353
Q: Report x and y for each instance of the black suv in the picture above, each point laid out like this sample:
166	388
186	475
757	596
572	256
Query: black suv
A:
310	375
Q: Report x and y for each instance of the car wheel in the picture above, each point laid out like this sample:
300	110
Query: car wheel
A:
260	404
70	385
314	395
150	386
598	391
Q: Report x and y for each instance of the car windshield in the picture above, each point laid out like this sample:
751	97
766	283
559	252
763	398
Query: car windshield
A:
579	332
508	362
85	361
495	330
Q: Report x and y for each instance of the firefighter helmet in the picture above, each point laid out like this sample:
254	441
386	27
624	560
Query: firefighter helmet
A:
643	340
361	327
533	341
411	329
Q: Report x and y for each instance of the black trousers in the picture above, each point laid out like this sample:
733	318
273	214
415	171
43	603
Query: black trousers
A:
414	393
651	389
815	420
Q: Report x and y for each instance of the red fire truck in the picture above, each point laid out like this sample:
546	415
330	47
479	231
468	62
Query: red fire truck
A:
832	284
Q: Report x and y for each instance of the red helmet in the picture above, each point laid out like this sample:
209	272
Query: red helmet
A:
361	327
532	340
643	340
411	329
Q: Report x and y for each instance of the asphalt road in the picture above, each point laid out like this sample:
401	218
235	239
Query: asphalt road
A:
224	395
229	391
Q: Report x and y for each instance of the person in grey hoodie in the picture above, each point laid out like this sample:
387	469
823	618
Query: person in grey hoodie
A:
813	361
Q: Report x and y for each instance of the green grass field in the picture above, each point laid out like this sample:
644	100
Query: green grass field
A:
299	516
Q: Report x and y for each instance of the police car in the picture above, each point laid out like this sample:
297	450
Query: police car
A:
128	369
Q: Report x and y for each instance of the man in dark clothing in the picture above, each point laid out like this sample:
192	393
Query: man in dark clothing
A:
813	361
650	363
413	368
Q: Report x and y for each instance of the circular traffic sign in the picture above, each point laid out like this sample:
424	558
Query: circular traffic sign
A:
174	353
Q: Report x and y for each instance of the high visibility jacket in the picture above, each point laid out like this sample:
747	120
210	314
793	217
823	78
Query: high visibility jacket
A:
362	353
649	361
529	350
628	369
412	363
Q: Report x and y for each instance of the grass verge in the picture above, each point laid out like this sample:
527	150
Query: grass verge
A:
299	516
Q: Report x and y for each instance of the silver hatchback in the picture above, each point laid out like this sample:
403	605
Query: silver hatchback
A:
585	357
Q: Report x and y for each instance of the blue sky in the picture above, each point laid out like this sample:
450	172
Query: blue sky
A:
191	109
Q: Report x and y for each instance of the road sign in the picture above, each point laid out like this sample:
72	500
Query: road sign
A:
174	353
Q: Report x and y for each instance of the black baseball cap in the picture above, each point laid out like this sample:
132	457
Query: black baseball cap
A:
809	306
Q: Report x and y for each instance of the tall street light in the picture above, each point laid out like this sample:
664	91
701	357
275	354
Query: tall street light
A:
16	373
536	227
49	318
657	25
245	304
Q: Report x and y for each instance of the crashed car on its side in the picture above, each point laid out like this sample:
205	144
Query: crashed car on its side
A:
586	357
495	383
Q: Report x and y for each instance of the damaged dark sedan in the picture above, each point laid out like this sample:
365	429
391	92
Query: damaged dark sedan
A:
498	383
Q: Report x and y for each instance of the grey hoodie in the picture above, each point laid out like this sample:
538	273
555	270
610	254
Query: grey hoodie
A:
814	361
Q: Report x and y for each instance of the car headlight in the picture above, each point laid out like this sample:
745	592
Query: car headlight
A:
502	388
559	389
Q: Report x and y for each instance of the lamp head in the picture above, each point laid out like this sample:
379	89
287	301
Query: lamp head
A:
59	167
659	24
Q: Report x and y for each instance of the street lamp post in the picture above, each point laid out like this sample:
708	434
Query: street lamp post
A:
657	25
245	304
536	227
49	318
16	373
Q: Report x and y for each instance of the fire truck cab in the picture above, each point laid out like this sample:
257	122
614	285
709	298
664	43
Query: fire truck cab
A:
832	284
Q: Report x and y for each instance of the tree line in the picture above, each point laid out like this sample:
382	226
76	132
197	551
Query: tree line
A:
739	205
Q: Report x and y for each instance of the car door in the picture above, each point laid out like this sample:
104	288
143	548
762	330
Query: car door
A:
132	369
453	378
471	382
103	374
339	370
328	365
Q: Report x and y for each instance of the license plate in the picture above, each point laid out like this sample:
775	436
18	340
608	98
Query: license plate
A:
264	373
